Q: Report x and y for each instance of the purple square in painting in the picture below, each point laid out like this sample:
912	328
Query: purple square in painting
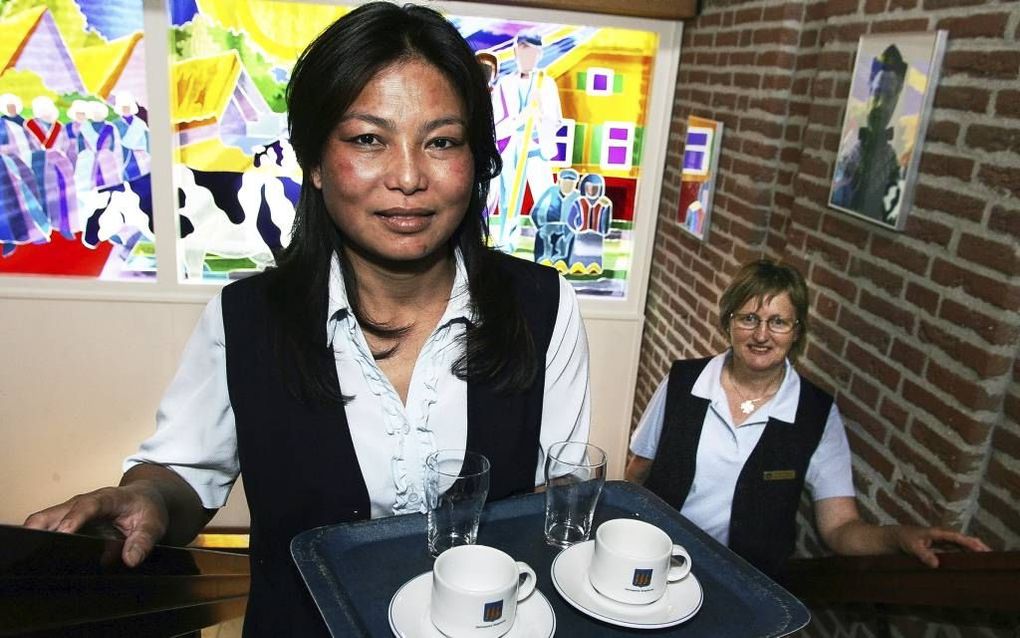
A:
561	131
617	155
697	139
561	152
694	160
618	133
600	82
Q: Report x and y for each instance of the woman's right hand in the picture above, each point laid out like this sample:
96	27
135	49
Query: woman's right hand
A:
137	510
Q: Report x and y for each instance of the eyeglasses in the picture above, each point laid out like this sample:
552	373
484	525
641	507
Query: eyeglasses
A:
750	321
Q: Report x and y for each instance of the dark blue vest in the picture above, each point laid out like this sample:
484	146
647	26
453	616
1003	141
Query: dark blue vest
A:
763	518
298	460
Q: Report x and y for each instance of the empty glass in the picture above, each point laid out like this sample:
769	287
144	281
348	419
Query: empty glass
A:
574	475
456	485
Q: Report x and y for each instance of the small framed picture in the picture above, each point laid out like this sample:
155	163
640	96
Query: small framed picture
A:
891	92
700	165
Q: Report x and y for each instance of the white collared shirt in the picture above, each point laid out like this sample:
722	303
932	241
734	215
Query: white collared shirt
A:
724	448
195	433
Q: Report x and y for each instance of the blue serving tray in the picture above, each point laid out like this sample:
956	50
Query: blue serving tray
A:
353	569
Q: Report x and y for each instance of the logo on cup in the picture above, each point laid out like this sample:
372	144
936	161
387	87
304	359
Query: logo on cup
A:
493	611
642	577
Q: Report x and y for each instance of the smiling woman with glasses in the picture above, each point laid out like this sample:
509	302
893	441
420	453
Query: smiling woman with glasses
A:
732	440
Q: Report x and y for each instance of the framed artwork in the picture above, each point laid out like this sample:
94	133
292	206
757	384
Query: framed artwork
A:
887	111
75	190
697	182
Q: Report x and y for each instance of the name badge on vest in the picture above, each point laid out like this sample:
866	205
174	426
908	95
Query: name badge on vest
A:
779	475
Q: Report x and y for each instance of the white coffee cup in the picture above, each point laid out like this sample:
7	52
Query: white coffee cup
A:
633	561
475	590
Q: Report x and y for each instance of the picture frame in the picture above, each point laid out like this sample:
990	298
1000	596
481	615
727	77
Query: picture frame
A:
700	163
884	124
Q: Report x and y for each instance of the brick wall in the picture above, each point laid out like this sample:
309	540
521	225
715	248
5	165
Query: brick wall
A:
916	333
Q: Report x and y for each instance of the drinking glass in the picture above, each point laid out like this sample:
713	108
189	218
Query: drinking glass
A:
574	475
456	484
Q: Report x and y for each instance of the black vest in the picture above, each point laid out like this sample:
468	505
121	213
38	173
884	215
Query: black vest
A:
298	460
763	519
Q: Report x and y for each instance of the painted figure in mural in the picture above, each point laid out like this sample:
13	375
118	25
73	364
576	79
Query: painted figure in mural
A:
100	158
732	440
526	107
553	237
867	178
22	217
490	67
52	167
134	136
398	330
591	224
78	115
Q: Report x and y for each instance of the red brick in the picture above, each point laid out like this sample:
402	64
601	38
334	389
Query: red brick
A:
808	39
792	133
878	274
900	26
720	79
746	80
928	230
874	6
1001	256
840	7
895	414
1002	294
870	364
949	201
899	253
984	363
724	100
993	138
922	297
707	58
1007	103
838	258
982	25
995	331
873	457
907	490
769	128
777	59
836	225
746	37
1003	476
776	82
821	87
790	155
907	356
1007	513
943	131
845	32
937	444
813	166
743	16
880	307
739	58
823	278
827	307
935	5
905	5
1001	178
834	367
982	64
968	392
962	98
1006	442
971	430
771	105
946	166
834	61
826	114
776	35
831	339
865	392
727	39
1002	220
855	412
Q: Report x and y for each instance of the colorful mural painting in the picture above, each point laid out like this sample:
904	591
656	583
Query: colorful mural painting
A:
697	177
75	195
569	101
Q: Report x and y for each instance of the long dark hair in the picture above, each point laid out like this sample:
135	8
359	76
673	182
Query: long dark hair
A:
327	78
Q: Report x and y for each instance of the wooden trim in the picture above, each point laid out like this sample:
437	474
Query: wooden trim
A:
978	580
658	9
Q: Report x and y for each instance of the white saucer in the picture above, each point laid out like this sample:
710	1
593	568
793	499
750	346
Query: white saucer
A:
409	613
570	577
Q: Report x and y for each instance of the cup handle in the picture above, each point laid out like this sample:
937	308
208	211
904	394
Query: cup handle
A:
680	564
527	580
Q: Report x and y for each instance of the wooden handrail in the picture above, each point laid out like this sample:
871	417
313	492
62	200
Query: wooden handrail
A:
969	580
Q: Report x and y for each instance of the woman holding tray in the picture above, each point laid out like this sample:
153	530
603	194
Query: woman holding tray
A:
388	330
732	440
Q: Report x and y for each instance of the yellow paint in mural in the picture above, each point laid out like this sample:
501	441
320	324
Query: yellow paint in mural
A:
281	29
212	155
13	33
25	83
101	66
201	87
